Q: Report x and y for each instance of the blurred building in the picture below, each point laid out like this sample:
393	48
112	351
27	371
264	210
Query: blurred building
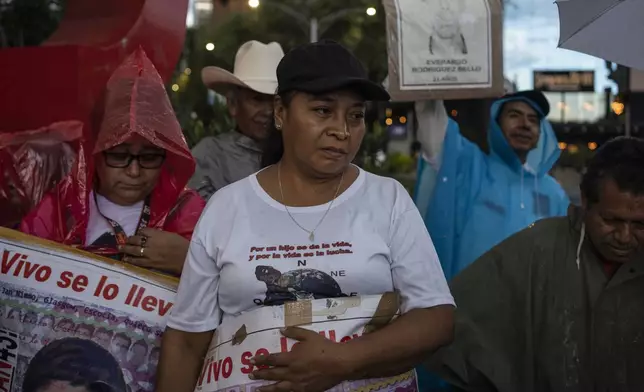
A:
581	116
212	12
630	97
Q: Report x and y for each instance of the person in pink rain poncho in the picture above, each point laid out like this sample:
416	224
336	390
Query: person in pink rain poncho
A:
128	200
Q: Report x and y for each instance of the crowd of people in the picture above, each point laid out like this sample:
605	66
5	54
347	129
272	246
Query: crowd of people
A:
543	295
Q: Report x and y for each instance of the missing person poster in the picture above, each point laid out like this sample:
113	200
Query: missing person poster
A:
240	338
444	48
68	317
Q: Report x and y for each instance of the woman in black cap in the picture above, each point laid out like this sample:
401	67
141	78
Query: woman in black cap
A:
361	228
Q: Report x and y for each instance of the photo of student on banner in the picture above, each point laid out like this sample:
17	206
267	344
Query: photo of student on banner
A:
76	295
137	357
442	44
447	37
74	365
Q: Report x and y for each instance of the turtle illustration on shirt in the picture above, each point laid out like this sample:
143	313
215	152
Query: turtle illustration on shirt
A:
294	285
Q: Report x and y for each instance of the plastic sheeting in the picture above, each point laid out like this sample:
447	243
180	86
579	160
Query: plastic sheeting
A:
135	105
32	163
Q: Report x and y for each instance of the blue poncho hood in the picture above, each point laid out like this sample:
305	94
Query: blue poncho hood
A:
541	159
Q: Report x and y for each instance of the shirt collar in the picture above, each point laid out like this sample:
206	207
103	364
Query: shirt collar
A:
246	142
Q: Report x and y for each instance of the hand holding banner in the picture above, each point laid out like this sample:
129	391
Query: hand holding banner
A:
240	339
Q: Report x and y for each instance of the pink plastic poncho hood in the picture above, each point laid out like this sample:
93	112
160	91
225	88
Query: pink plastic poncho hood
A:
136	103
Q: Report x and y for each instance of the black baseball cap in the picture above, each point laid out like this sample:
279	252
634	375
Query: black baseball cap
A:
325	66
534	96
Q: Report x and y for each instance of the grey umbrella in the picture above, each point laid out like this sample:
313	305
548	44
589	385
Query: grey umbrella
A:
609	29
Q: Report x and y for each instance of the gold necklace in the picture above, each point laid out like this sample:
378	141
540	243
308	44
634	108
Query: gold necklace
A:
310	232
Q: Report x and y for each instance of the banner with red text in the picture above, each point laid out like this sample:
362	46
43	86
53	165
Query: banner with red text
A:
60	307
240	338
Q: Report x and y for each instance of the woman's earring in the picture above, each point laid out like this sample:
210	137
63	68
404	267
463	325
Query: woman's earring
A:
278	126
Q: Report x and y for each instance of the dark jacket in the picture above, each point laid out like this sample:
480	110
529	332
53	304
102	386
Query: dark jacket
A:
529	319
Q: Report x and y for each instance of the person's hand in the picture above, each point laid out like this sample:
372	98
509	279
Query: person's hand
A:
315	364
161	250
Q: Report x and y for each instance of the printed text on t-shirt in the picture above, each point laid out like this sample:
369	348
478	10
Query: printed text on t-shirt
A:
299	251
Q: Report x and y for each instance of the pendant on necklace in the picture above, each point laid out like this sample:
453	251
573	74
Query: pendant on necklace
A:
312	236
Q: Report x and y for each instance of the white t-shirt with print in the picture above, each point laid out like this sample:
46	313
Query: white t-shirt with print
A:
126	216
246	252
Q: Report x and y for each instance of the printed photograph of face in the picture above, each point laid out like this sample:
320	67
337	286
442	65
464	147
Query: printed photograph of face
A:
447	38
74	365
445	43
130	354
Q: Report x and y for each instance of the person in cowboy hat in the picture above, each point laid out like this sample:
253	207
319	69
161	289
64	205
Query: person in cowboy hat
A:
250	89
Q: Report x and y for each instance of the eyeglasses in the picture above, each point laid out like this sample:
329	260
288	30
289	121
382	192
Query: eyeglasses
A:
121	160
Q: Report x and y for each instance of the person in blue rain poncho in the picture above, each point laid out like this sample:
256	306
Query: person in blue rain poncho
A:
472	200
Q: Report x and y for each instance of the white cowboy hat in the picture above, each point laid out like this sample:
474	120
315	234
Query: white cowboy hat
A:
255	69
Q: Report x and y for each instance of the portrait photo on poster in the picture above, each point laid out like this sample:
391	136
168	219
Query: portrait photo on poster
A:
444	44
44	326
71	321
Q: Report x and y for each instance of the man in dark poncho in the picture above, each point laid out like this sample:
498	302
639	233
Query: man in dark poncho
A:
559	306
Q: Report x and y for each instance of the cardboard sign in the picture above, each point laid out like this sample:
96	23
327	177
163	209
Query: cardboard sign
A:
55	301
240	338
444	49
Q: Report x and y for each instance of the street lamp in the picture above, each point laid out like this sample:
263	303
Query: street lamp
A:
311	21
210	46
